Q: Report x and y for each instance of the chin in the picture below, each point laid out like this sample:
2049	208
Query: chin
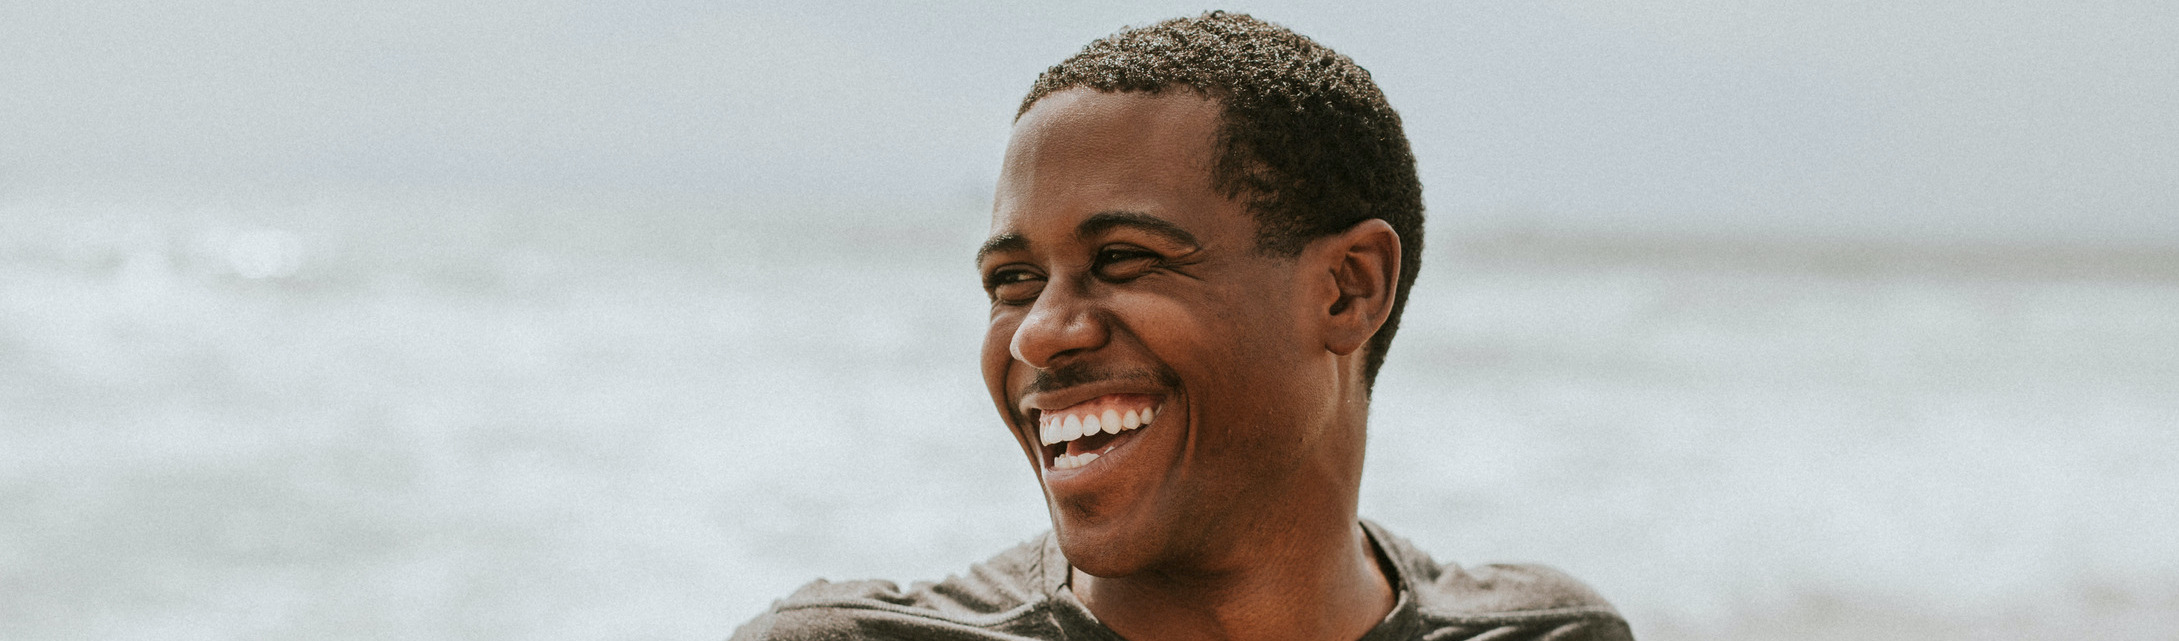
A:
1102	556
1108	549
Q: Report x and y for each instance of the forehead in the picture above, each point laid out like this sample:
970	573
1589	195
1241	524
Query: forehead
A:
1080	152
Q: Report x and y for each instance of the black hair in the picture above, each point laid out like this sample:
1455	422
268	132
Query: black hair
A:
1306	137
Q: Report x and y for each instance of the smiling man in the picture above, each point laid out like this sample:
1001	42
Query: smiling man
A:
1202	237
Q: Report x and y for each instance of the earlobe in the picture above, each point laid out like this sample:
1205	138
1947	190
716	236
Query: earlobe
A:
1364	266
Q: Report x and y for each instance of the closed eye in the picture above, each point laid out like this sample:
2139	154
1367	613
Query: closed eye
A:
1013	285
1124	263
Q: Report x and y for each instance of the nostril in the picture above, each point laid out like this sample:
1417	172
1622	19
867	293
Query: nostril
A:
1053	328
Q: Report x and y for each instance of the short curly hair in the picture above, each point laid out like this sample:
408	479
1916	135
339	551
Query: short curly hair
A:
1306	136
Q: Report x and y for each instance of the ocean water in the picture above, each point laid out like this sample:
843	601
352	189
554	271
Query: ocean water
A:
440	420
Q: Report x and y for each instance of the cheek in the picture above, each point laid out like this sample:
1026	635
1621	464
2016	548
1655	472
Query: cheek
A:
1191	336
1239	349
1164	324
998	356
1203	322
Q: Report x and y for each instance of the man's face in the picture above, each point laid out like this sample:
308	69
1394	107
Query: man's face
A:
1125	287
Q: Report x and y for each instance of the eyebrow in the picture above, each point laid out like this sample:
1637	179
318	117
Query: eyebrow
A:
1097	223
1000	243
1103	221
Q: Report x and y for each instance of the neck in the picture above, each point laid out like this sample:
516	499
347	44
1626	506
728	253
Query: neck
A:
1321	584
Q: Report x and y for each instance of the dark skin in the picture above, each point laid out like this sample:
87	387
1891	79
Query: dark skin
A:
1117	272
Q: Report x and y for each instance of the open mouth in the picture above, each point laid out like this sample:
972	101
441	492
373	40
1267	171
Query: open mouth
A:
1077	436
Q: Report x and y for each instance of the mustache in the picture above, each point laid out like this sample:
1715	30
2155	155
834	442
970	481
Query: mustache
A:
1077	374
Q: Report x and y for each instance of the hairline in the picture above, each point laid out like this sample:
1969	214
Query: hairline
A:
1225	151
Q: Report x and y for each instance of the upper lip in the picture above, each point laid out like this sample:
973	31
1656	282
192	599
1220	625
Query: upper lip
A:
1034	404
1037	402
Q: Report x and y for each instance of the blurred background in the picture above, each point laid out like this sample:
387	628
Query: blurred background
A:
582	320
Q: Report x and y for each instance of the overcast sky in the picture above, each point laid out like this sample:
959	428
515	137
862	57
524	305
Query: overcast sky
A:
1920	119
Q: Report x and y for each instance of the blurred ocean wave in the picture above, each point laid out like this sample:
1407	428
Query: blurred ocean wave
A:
1815	440
343	420
1833	257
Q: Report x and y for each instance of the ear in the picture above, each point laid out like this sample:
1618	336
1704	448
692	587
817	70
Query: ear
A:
1363	263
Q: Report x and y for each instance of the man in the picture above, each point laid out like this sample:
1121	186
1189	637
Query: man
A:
1202	237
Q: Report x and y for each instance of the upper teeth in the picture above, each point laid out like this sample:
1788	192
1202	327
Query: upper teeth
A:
1060	428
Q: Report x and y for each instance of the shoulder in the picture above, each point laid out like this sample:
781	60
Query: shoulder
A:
1499	588
1538	598
998	595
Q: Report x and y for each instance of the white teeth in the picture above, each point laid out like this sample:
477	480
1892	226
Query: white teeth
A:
1054	429
1068	462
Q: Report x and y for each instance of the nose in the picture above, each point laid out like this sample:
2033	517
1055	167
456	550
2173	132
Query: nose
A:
1057	325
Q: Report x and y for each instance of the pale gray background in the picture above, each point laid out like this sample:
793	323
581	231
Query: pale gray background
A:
618	320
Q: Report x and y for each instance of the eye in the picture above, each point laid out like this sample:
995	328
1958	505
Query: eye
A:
1123	263
1013	285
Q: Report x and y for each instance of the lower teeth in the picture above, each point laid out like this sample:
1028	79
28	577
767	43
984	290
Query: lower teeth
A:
1068	462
